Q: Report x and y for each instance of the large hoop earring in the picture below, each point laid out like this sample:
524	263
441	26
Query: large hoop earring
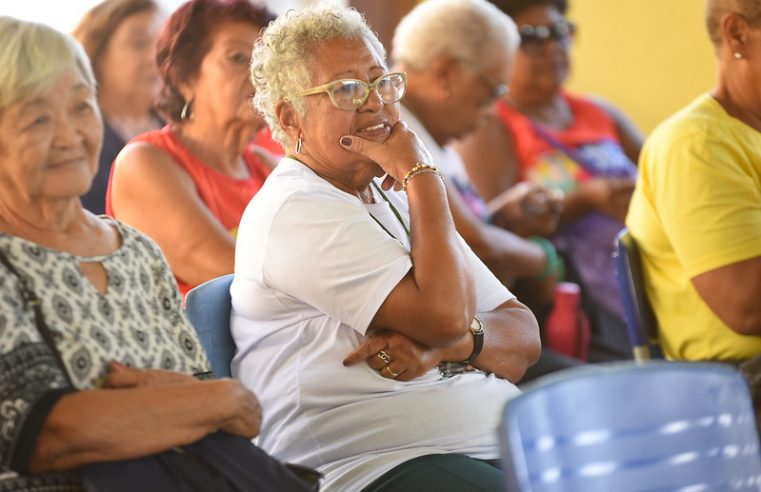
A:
299	144
186	112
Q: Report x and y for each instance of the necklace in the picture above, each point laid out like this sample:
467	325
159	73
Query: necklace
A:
394	210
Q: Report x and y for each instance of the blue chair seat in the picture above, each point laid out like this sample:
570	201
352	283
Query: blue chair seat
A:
657	426
208	307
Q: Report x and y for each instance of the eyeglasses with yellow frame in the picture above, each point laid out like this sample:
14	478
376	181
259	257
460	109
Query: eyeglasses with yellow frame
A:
351	94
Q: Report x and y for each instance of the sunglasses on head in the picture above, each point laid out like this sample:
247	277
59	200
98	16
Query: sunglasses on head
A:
534	35
351	94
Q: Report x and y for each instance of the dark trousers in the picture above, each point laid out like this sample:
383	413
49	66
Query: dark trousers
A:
441	473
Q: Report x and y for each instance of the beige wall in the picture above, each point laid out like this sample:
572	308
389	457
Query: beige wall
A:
648	57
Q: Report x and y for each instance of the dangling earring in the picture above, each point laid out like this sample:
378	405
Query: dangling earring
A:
299	144
738	55
186	112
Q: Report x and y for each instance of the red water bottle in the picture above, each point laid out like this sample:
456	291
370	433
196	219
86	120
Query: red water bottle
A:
566	329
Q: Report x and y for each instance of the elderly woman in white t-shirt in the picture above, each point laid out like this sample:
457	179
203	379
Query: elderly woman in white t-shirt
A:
381	348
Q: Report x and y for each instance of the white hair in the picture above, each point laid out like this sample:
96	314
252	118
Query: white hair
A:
32	55
285	52
467	30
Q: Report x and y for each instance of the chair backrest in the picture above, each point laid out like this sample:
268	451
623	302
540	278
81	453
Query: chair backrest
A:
640	319
208	307
655	426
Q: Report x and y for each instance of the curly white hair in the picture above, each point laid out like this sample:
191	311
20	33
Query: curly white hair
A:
284	54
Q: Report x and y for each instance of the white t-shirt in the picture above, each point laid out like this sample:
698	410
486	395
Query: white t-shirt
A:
312	268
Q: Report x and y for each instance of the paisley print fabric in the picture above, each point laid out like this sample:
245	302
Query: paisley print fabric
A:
138	321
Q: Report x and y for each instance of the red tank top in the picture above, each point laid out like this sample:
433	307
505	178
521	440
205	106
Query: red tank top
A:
225	197
543	163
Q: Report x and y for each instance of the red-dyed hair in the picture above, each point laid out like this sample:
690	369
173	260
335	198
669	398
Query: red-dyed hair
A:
186	39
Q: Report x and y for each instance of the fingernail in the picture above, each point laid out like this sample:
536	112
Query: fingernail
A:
346	141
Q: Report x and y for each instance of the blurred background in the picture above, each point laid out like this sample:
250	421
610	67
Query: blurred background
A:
648	57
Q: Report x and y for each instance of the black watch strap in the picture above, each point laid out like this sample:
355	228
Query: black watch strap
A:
477	329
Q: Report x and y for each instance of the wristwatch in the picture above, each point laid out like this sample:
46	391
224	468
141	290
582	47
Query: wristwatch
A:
477	329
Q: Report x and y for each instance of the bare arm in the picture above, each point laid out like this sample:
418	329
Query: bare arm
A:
114	424
511	345
154	195
507	255
739	308
435	301
511	341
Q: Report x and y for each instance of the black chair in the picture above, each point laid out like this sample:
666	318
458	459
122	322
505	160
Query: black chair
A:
640	319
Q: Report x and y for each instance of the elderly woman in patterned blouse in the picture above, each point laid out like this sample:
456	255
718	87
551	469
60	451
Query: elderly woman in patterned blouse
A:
101	368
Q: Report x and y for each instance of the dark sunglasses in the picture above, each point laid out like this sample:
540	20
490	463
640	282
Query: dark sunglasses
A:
534	35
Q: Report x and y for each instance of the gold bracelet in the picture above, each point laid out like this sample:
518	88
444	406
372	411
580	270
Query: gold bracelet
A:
417	171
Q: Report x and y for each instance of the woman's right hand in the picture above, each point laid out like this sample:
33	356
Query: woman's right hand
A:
528	209
401	151
245	412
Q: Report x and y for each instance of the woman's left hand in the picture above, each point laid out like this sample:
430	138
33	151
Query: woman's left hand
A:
395	356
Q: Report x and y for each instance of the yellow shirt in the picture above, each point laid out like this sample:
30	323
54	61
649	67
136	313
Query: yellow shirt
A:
696	208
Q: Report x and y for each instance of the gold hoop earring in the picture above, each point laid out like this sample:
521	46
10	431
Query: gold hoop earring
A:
299	144
186	112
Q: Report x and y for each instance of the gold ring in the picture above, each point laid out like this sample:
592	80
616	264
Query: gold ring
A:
382	355
391	374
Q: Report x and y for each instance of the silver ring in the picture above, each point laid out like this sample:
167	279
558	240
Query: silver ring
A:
382	355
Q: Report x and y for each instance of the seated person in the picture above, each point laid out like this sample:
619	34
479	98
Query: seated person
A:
348	295
452	85
119	36
584	148
186	186
696	210
97	357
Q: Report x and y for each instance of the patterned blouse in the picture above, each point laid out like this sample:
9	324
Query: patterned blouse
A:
138	321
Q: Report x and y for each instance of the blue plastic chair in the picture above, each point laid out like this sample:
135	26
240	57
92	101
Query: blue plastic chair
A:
640	320
208	307
656	426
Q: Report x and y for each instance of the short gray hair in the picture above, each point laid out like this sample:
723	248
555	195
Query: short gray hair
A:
464	29
33	55
285	51
717	9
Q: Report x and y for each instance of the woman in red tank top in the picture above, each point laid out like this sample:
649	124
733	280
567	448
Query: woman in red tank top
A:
569	143
188	184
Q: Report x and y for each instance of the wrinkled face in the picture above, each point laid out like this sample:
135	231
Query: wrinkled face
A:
474	91
324	124
222	90
541	66
128	64
49	145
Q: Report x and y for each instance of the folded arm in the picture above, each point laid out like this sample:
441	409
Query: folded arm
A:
511	346
114	424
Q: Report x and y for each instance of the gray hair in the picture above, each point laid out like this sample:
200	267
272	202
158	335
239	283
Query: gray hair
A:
285	51
33	55
717	9
467	30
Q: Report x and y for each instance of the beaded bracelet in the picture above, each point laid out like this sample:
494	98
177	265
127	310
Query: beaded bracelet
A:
417	171
553	264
